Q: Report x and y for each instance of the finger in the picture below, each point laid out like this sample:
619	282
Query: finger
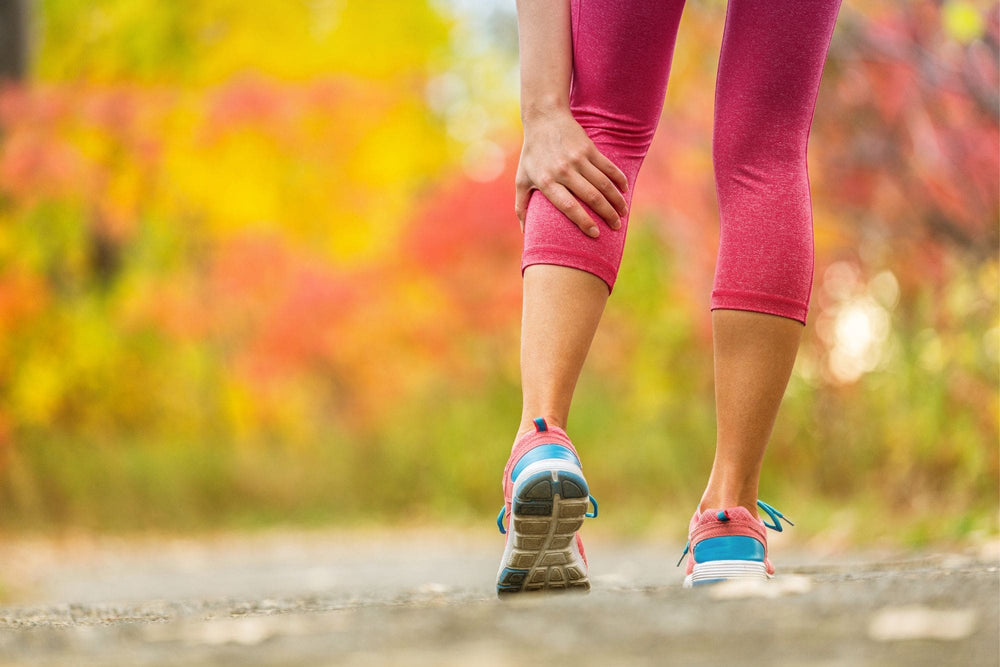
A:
564	200
593	198
616	175
608	189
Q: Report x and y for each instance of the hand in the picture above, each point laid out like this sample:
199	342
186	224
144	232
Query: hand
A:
560	160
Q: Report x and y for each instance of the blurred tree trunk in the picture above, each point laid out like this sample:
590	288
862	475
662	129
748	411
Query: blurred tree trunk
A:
13	39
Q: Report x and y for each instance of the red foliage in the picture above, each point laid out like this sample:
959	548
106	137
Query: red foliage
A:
39	106
279	308
922	131
250	102
467	238
34	165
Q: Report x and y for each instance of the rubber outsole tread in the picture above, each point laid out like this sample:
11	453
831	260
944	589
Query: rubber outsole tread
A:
547	510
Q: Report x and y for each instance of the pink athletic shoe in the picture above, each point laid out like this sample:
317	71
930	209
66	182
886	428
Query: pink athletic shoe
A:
545	501
729	544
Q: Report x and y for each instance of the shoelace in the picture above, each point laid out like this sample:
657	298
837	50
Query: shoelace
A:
503	511
774	515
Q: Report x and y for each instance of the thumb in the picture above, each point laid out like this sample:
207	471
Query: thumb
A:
521	204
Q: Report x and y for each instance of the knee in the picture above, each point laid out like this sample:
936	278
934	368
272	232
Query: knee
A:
759	146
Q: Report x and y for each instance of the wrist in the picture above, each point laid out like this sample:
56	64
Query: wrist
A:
542	106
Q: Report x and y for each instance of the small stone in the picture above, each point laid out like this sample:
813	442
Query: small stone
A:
921	622
733	589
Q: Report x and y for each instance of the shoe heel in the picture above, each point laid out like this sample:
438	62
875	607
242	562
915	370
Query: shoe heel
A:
549	505
721	570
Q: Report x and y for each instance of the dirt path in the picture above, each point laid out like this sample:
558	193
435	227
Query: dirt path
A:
427	598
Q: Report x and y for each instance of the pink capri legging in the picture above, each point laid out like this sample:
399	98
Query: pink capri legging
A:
772	58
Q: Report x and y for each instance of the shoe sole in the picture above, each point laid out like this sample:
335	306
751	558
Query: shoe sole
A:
548	509
721	570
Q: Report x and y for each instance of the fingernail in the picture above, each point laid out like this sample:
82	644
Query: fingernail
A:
593	232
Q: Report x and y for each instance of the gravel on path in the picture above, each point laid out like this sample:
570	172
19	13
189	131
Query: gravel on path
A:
427	597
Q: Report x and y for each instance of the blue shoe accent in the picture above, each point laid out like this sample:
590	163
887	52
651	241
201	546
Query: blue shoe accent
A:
592	515
503	531
511	580
775	515
722	516
549	451
728	547
687	547
540	424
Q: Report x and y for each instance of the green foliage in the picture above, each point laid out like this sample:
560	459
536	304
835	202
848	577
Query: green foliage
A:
253	269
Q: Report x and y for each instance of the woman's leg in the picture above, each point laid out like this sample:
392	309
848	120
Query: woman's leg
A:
561	311
754	354
770	67
621	61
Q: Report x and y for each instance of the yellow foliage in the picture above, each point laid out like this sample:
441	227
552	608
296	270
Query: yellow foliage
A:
210	41
36	390
962	21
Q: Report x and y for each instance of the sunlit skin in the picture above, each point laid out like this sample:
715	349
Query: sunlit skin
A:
754	355
561	311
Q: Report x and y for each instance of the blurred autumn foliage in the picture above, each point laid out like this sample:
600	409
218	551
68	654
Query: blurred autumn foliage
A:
260	263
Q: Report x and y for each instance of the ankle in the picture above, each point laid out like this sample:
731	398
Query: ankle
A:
723	500
731	486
